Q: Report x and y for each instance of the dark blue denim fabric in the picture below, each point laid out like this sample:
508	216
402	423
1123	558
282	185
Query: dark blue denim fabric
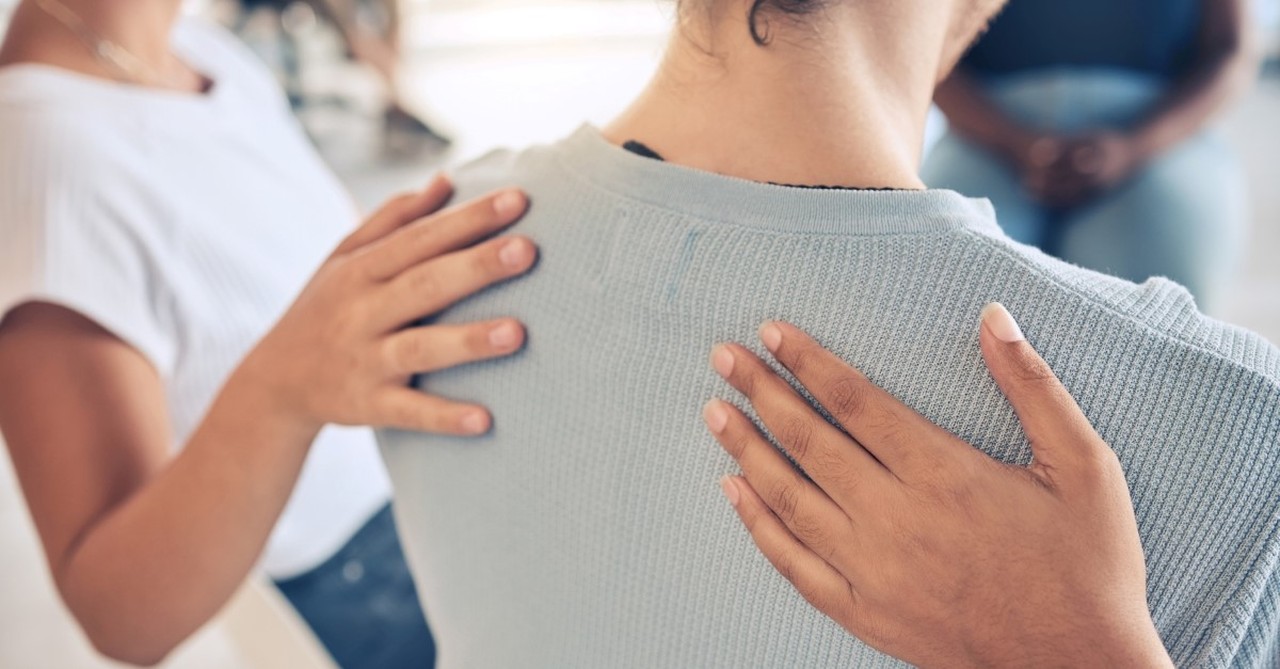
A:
362	603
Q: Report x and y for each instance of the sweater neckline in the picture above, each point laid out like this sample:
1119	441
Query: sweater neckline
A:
642	149
721	198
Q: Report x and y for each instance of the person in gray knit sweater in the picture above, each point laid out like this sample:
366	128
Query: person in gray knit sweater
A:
768	173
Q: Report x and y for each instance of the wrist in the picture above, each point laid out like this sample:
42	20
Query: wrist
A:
1144	144
1126	643
257	391
1026	149
1076	640
1017	142
1146	649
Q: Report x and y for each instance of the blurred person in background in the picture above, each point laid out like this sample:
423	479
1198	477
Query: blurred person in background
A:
1088	126
161	209
371	34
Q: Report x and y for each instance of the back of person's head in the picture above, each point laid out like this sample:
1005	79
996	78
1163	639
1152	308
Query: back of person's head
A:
944	27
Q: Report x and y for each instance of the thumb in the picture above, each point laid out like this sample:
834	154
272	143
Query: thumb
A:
1062	439
399	212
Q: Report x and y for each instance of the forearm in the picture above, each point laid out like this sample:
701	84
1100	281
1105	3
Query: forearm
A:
1220	76
973	115
157	567
1130	641
145	547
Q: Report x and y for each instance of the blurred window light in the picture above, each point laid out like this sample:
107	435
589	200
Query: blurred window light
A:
1268	12
483	24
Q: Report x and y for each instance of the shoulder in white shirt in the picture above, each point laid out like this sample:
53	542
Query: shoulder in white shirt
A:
185	225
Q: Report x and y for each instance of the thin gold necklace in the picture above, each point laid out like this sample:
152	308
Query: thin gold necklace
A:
128	66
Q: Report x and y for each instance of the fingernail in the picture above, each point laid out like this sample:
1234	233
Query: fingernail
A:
504	336
515	254
508	204
438	180
1001	323
730	490
722	360
716	416
475	422
771	335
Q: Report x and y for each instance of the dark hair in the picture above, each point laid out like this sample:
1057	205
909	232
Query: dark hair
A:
791	7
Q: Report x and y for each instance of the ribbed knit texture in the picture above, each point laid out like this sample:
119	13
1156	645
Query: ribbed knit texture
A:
588	529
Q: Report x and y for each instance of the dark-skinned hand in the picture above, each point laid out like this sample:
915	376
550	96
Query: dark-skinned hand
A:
921	545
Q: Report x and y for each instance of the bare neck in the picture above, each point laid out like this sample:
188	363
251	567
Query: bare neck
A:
142	27
834	106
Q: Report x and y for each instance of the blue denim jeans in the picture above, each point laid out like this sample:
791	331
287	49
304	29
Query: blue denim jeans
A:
1183	216
362	604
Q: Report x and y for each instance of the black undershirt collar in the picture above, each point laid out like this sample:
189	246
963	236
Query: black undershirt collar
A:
640	149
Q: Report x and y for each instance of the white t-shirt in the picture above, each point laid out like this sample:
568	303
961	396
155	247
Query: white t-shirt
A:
185	225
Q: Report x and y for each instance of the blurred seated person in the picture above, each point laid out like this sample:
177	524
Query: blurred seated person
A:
370	32
770	171
1087	125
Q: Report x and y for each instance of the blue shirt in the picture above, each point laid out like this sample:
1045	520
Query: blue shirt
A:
1148	36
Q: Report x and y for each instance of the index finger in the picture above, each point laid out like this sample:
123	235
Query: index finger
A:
446	231
398	212
837	463
905	442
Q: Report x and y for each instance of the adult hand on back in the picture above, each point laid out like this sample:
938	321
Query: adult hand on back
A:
921	545
345	352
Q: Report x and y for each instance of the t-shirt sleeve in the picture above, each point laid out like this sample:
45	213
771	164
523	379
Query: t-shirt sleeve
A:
72	235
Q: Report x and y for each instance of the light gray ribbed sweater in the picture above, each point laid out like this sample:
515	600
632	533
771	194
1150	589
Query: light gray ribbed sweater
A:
589	531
